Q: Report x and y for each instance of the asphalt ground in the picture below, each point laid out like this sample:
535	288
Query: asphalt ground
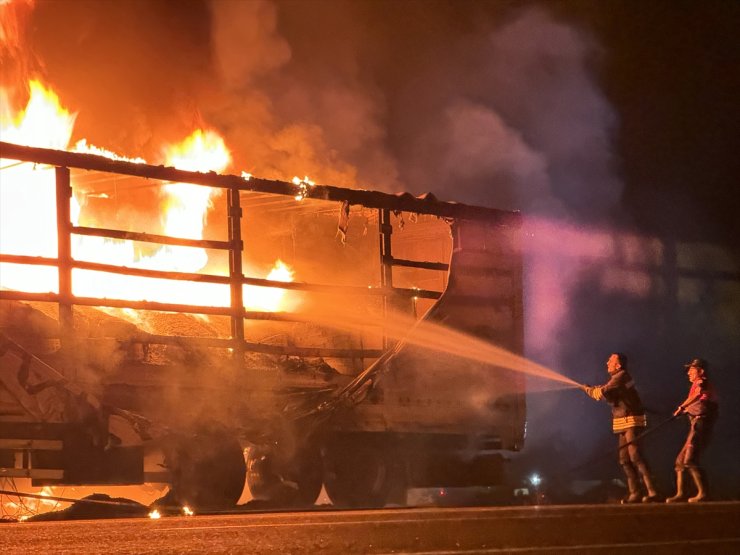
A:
655	528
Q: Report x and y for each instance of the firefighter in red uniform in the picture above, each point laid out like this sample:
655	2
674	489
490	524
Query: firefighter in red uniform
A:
701	408
628	420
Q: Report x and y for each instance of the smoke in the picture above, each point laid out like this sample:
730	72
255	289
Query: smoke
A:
506	114
493	104
284	116
246	43
503	111
495	118
514	119
500	110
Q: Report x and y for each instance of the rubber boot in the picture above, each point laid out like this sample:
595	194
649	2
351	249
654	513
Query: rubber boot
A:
679	488
634	495
701	490
652	494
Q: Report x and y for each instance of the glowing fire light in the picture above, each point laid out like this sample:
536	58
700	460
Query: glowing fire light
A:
304	186
155	514
25	508
84	147
267	298
187	511
44	122
200	152
28	217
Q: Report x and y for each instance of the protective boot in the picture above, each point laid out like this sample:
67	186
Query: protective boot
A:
701	490
652	494
680	494
634	495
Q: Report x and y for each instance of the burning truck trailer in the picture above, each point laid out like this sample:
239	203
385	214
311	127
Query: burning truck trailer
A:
364	377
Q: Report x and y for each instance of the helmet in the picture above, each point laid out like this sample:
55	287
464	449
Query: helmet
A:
698	363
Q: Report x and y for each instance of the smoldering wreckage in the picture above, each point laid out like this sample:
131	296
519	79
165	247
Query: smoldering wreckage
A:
335	393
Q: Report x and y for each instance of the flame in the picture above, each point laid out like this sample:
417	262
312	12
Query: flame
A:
27	192
155	514
268	298
28	218
202	151
82	146
187	511
303	187
44	122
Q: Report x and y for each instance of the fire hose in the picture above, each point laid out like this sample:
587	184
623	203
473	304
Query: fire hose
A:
637	438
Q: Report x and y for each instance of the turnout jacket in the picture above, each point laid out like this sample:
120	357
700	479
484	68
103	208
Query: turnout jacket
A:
620	393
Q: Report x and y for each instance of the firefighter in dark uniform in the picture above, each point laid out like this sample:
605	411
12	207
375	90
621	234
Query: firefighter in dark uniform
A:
628	420
701	408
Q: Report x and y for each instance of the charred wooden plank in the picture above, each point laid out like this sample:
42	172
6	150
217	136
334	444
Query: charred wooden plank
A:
369	199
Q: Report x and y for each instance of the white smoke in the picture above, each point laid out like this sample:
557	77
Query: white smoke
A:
282	119
521	123
246	43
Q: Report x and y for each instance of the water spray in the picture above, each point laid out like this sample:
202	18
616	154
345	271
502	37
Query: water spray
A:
436	337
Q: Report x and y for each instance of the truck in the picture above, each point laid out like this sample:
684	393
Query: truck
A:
374	372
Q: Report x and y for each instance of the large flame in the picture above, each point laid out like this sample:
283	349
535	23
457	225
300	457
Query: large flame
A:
267	298
28	217
27	192
44	122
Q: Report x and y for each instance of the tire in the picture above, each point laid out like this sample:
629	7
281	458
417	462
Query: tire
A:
208	469
360	471
280	480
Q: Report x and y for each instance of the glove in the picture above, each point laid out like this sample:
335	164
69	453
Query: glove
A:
594	392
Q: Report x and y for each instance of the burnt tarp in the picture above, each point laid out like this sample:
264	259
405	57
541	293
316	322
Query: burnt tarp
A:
454	389
41	393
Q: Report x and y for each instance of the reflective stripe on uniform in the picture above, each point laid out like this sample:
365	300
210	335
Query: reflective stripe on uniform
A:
625	422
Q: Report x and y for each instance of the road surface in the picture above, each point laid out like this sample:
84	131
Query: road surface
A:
607	529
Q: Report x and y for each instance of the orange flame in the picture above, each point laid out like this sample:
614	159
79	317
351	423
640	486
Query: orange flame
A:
44	122
28	218
268	298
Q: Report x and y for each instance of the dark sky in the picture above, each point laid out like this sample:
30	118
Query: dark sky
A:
615	119
670	70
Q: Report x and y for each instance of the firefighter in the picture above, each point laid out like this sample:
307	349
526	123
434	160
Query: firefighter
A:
701	408
628	420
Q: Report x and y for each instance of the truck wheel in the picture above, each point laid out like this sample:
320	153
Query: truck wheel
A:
207	469
359	472
295	482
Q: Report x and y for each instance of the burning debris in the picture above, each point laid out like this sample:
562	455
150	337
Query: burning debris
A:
95	506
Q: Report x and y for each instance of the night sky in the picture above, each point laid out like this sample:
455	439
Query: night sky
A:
612	125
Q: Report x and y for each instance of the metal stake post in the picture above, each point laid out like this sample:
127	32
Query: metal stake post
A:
64	255
386	261
235	272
